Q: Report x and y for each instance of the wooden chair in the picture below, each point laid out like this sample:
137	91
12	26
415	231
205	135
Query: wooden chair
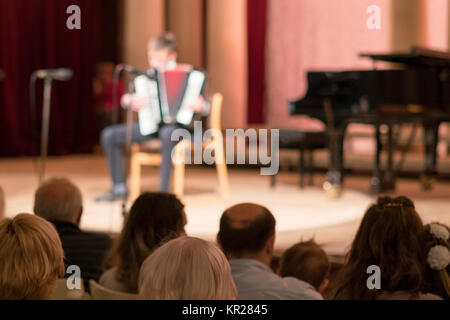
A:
99	292
140	158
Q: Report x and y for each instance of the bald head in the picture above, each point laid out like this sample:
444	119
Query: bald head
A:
58	199
245	229
242	215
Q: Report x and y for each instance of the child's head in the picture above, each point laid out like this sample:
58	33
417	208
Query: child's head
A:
308	262
162	51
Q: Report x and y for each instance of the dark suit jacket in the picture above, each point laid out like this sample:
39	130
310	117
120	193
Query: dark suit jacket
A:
84	249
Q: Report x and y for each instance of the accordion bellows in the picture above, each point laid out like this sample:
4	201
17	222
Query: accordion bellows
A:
168	96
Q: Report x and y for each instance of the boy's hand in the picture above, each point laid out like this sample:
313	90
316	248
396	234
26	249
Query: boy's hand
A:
133	101
198	104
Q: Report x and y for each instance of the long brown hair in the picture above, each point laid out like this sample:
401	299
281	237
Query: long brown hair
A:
391	236
153	219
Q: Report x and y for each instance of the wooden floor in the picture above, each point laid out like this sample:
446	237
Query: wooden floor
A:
300	214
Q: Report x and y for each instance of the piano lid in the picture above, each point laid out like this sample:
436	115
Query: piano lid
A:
417	57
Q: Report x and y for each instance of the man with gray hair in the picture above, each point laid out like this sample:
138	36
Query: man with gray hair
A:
59	201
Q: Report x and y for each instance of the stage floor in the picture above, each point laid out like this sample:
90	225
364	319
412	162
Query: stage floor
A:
300	214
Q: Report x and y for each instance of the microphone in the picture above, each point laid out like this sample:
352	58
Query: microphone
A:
129	69
134	71
61	74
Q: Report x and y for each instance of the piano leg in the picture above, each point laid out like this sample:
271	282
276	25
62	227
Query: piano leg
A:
333	185
430	134
383	181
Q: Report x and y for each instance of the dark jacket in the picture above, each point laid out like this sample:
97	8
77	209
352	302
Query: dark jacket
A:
84	249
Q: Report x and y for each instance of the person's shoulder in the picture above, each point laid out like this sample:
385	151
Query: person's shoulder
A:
108	280
302	289
107	275
96	237
429	296
406	295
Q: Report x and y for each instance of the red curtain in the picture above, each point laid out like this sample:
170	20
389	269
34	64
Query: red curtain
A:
33	35
256	27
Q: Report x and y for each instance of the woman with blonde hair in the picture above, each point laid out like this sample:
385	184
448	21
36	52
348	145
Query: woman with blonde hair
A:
187	268
31	258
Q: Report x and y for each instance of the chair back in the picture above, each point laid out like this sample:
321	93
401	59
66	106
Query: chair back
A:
98	292
62	292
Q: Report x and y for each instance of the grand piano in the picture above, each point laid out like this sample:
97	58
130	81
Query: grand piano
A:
417	92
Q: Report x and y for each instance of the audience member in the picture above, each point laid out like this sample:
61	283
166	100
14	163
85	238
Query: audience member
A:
247	236
153	219
31	258
2	203
308	262
59	201
438	259
391	236
186	268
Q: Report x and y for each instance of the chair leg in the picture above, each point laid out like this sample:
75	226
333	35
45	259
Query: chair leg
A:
135	178
302	168
311	167
178	179
221	167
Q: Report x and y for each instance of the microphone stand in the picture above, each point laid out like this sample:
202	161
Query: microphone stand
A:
45	125
133	73
115	109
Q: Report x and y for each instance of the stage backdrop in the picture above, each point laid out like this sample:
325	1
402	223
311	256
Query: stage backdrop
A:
256	29
33	35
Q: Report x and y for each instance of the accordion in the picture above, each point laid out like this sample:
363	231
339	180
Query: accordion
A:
168	95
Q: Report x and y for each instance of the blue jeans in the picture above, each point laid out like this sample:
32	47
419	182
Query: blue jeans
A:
113	138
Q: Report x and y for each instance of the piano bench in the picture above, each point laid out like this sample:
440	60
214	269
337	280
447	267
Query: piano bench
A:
303	141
